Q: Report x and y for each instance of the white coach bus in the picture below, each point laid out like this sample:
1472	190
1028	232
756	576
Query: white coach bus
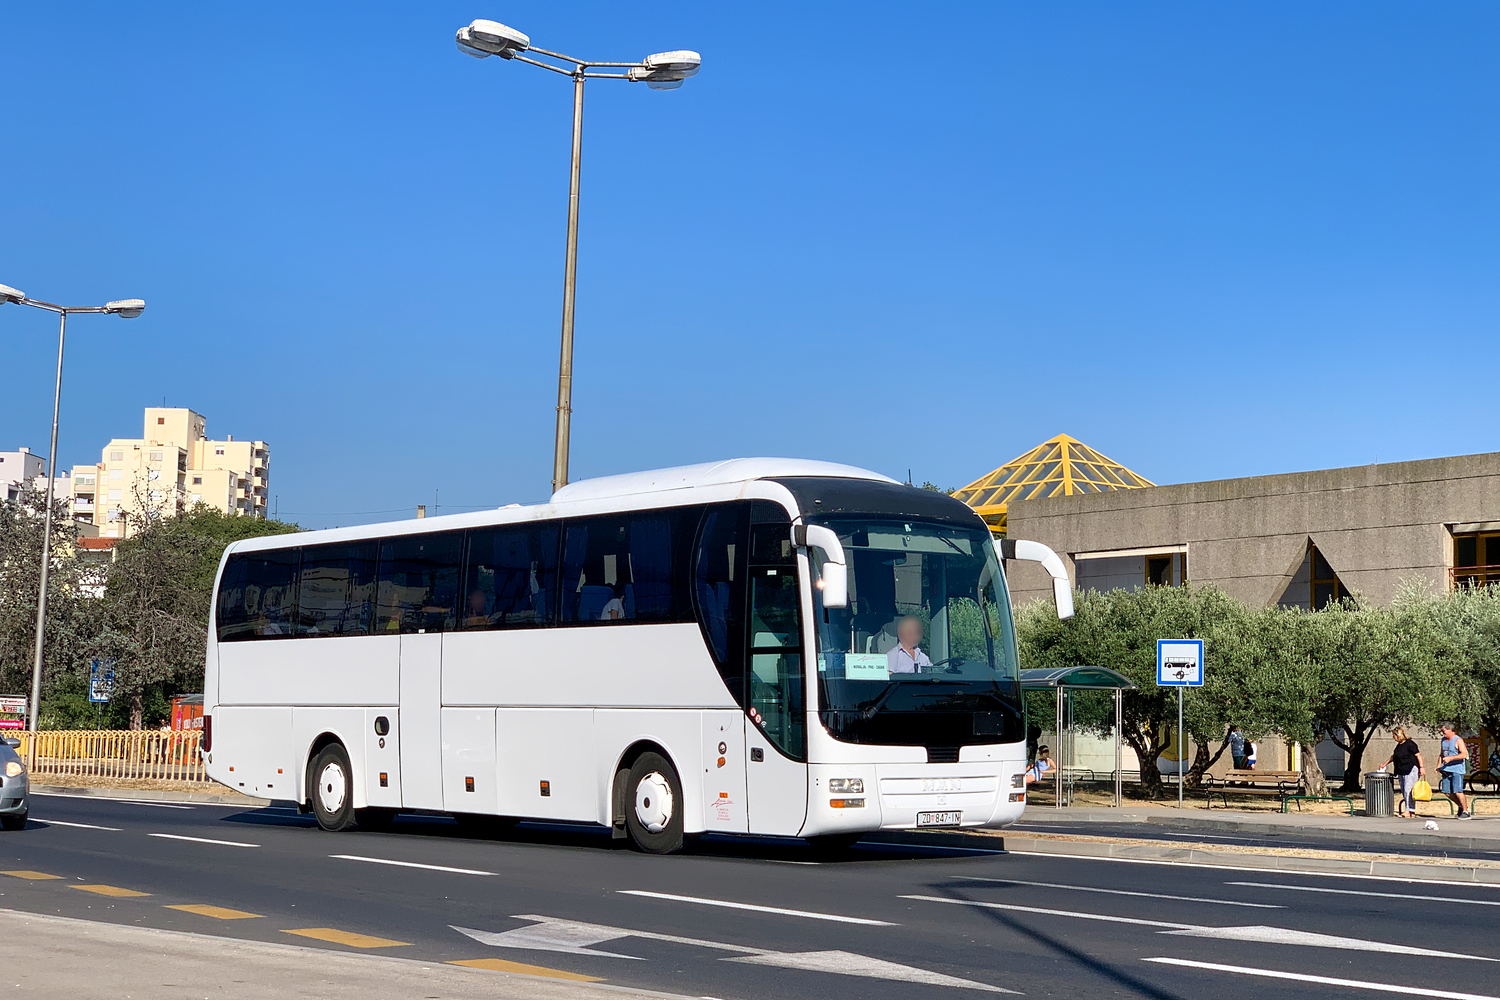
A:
759	646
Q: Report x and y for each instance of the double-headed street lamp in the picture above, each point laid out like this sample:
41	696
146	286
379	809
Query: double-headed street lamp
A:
130	309
662	71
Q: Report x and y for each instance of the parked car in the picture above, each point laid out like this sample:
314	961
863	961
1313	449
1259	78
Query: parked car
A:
15	787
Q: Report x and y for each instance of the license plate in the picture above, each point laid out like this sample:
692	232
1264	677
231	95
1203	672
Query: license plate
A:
939	819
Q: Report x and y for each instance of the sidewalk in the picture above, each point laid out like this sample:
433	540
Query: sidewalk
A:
212	794
47	956
1482	834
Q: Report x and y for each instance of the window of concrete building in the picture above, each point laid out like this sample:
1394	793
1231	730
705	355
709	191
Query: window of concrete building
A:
1325	584
156	456
1476	558
115	494
161	420
117	456
218	451
197	480
1166	570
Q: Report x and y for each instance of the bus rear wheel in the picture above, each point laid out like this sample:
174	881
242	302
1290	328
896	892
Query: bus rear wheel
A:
332	788
653	805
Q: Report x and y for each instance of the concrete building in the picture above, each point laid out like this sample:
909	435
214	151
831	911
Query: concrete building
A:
172	466
1298	539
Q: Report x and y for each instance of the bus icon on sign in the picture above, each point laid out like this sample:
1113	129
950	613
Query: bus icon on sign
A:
1179	662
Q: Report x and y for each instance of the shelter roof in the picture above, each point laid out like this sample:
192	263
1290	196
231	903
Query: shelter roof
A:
1048	678
1058	467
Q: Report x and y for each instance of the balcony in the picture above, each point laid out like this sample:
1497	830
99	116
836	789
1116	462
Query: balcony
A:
1472	576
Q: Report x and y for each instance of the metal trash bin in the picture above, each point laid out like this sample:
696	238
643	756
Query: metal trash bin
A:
1380	793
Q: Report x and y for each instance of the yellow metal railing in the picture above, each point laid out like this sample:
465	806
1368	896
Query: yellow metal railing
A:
150	755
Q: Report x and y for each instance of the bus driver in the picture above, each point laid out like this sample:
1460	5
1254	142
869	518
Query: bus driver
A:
905	657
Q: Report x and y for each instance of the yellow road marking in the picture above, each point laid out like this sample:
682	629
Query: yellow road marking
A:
218	912
347	937
30	875
109	890
501	965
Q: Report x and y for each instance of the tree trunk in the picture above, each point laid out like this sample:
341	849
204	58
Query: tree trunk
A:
137	710
1202	762
1312	771
1357	739
1147	754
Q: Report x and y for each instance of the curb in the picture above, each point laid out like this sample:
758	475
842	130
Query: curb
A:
225	798
1415	870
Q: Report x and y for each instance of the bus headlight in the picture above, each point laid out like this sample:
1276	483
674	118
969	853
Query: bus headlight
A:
847	786
1018	780
15	769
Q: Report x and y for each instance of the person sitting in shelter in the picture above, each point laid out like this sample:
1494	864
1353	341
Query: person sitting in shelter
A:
906	657
1037	771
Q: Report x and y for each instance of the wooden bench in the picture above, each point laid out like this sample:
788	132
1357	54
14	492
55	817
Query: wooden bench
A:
1247	782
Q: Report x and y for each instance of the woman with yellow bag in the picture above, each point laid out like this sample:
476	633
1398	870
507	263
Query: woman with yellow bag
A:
1410	771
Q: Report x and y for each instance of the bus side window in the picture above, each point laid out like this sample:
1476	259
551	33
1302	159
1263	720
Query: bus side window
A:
258	595
418	589
337	591
511	577
629	567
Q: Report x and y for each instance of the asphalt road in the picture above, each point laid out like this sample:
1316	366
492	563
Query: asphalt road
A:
753	919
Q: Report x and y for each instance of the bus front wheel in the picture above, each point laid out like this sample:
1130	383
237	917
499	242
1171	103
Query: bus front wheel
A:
653	805
333	788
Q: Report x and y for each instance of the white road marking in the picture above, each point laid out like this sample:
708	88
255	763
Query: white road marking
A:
201	840
1308	939
411	864
105	798
573	937
1259	871
1257	933
779	911
81	826
1123	892
844	963
1381	895
1303	977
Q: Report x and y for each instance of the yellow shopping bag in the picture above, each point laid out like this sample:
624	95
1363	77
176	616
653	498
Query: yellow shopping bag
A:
1421	791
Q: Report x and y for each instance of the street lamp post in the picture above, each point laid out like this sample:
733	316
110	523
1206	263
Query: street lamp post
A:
660	71
129	309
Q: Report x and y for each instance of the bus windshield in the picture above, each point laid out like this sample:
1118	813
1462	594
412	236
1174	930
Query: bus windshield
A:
925	652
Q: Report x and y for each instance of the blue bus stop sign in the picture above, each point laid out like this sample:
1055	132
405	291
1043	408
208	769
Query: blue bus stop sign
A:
1179	662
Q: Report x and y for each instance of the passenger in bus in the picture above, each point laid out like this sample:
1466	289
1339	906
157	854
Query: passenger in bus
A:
906	657
614	608
478	615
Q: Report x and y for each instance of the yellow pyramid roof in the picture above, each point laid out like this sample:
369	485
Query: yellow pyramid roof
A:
1058	467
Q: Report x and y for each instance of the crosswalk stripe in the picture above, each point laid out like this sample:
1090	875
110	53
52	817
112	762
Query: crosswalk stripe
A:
109	890
217	912
349	938
501	965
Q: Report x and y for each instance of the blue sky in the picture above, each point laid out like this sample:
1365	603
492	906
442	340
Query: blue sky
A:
1209	240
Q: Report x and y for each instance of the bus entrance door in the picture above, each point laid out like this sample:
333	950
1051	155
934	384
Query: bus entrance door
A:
421	728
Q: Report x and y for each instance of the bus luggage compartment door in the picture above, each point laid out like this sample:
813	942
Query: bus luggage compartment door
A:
421	725
724	771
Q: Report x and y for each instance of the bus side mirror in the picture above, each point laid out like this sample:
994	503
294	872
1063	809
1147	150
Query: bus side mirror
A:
833	574
1062	589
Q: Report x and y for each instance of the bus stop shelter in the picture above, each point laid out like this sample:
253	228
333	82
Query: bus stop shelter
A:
1065	680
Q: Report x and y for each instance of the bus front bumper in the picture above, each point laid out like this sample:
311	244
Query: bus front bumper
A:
916	796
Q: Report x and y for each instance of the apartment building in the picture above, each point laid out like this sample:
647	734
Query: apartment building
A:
16	468
172	466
